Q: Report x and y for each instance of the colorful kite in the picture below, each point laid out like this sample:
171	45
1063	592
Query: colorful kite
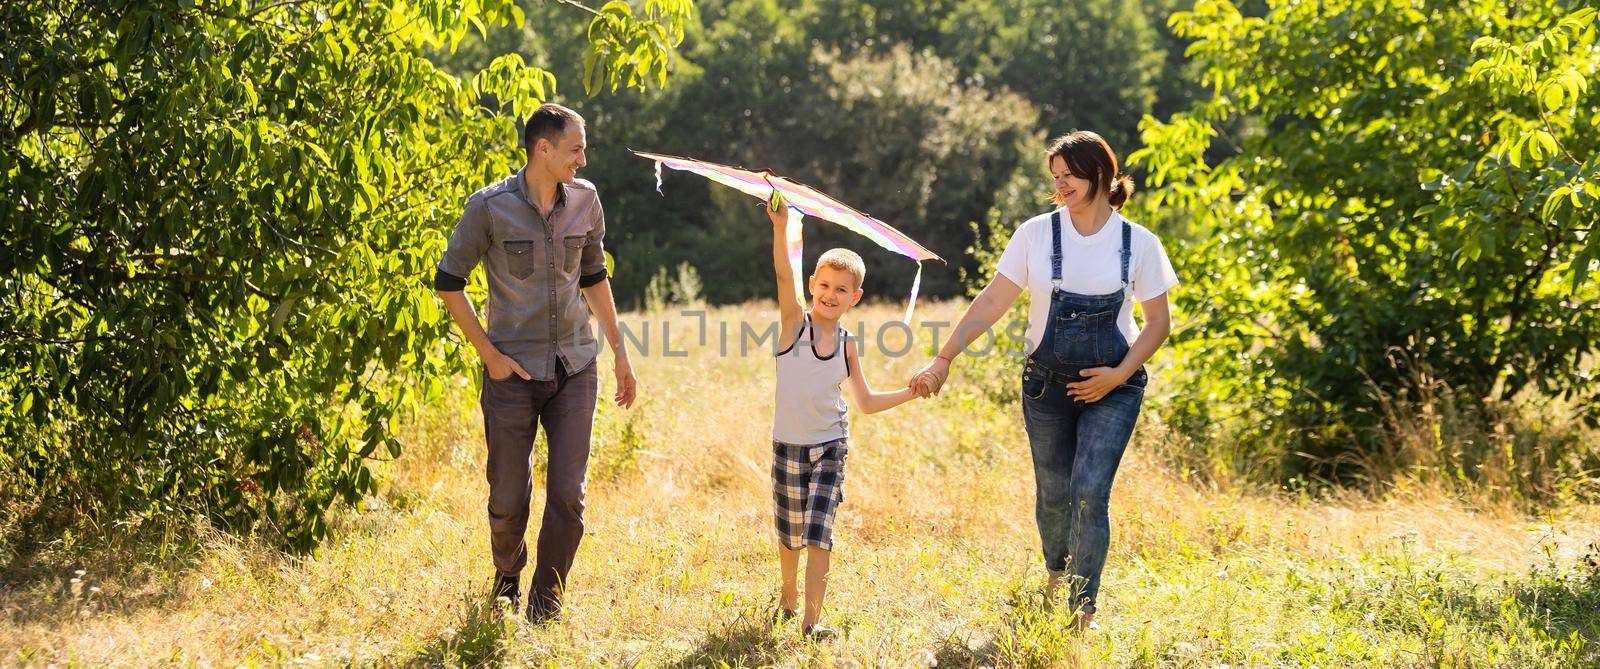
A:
802	200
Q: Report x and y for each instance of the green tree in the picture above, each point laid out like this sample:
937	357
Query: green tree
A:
1091	66
218	217
897	131
1413	207
759	84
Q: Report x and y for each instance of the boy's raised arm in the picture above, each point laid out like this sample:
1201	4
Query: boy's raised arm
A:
789	300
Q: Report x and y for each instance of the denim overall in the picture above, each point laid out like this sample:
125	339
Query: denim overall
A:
1077	446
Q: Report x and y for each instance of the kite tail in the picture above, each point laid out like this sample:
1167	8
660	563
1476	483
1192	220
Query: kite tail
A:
658	179
796	250
916	284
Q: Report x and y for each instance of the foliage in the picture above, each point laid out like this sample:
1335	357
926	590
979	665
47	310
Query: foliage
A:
931	152
1093	65
682	288
881	102
1413	203
219	217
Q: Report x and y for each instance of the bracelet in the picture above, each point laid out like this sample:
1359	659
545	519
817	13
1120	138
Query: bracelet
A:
948	361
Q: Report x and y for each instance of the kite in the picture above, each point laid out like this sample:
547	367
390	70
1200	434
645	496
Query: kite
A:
802	200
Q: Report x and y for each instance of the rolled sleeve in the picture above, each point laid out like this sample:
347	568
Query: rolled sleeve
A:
446	282
594	248
469	242
591	279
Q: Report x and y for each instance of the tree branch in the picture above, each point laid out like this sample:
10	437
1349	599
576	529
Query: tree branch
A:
574	3
1551	129
18	334
283	3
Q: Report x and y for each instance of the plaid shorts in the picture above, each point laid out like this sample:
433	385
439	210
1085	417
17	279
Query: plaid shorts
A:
807	488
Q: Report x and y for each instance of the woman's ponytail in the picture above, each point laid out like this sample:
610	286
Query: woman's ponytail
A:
1121	190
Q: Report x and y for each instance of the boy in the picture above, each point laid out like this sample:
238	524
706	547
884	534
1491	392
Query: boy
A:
810	428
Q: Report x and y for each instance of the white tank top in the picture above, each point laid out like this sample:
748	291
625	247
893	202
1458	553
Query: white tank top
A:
810	406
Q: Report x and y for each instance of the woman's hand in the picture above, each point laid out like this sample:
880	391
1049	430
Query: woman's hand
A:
1101	381
930	379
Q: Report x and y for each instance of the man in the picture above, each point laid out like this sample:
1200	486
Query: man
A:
539	236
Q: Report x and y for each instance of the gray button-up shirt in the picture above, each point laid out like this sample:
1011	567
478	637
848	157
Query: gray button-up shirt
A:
533	265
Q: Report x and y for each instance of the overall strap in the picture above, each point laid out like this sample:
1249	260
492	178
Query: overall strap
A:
1055	249
1127	251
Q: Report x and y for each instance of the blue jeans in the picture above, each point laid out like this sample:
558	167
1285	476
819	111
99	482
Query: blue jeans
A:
1076	450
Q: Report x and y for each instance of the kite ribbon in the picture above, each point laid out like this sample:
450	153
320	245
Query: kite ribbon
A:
912	303
791	233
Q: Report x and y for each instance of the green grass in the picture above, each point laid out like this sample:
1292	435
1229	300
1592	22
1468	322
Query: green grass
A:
936	566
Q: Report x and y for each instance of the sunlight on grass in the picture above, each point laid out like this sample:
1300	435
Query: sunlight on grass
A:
936	566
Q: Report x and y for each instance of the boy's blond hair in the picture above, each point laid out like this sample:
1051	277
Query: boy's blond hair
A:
844	260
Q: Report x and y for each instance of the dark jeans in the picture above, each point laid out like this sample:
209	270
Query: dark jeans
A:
1076	450
513	409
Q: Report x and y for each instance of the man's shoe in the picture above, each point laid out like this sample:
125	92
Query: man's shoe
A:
506	586
543	609
783	615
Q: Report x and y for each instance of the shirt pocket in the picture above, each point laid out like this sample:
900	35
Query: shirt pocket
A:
572	252
519	257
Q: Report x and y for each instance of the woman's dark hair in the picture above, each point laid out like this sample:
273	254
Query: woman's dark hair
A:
1089	157
548	122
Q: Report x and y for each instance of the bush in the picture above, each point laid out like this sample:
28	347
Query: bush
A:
219	221
1408	199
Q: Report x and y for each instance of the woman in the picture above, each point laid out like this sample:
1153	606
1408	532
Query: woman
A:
1083	383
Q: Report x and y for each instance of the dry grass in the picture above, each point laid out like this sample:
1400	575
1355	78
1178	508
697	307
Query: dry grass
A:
936	562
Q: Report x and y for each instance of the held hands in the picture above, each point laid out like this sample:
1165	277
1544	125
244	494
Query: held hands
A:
1101	381
930	379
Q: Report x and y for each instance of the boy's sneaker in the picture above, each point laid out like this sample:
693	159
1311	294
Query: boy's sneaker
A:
783	615
506	586
819	633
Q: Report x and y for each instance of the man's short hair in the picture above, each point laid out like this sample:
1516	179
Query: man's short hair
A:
548	122
844	260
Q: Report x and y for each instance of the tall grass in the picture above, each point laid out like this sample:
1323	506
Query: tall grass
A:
1523	453
936	565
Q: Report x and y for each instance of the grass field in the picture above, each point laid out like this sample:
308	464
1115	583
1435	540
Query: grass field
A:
936	561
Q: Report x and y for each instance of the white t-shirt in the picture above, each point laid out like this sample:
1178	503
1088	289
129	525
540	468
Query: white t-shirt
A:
1089	266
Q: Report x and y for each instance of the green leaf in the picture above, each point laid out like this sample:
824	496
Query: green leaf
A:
1547	142
1553	203
1551	96
591	72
